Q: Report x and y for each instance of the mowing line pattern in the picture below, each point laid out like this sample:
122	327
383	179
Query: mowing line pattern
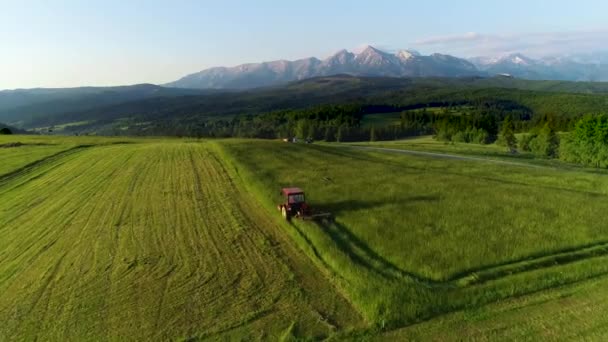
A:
148	241
16	160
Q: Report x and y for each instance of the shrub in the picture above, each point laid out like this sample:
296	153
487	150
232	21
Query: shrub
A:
588	143
524	142
460	136
479	136
546	143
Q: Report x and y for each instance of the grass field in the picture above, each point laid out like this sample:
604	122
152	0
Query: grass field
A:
575	312
14	158
428	204
150	241
436	234
107	238
380	120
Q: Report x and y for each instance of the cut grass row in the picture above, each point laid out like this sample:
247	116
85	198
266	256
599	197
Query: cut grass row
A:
15	158
151	241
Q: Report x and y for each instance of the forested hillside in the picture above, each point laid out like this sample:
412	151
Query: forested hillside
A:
332	108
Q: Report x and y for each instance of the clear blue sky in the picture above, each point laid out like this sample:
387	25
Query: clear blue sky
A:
72	43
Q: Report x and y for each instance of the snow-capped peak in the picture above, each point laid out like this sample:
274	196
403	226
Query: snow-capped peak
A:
407	54
342	56
485	60
341	53
368	50
514	58
372	56
517	58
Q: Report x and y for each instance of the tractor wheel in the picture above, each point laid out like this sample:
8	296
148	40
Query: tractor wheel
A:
285	213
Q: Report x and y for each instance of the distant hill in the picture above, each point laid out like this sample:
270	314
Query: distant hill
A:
22	107
175	111
541	97
14	130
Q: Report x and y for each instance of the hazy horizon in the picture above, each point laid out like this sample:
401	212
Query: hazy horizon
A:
70	44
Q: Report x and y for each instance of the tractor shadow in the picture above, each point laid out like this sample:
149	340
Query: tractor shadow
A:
357	249
360	253
340	207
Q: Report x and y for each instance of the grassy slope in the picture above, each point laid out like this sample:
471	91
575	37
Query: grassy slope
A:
381	120
574	312
433	205
403	223
150	241
483	152
34	149
15	158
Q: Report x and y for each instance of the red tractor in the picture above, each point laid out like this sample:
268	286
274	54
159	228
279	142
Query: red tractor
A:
295	206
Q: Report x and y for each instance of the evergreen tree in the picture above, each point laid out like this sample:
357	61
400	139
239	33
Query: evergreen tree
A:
329	133
312	131
339	134
507	134
526	139
302	129
372	134
546	143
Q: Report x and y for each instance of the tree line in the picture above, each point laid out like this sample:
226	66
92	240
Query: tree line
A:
586	144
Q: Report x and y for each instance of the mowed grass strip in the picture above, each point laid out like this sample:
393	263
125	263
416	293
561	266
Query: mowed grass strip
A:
151	241
24	151
14	158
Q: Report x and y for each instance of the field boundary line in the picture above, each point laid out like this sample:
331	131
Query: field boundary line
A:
33	165
444	155
295	240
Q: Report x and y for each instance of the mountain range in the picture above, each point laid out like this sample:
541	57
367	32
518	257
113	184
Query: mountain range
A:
369	62
580	67
404	63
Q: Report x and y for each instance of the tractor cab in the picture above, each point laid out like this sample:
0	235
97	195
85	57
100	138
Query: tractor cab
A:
294	195
294	204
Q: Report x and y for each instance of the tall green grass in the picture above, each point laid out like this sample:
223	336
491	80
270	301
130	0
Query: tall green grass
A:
416	237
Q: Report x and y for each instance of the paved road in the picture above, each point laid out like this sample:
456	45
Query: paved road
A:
447	156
